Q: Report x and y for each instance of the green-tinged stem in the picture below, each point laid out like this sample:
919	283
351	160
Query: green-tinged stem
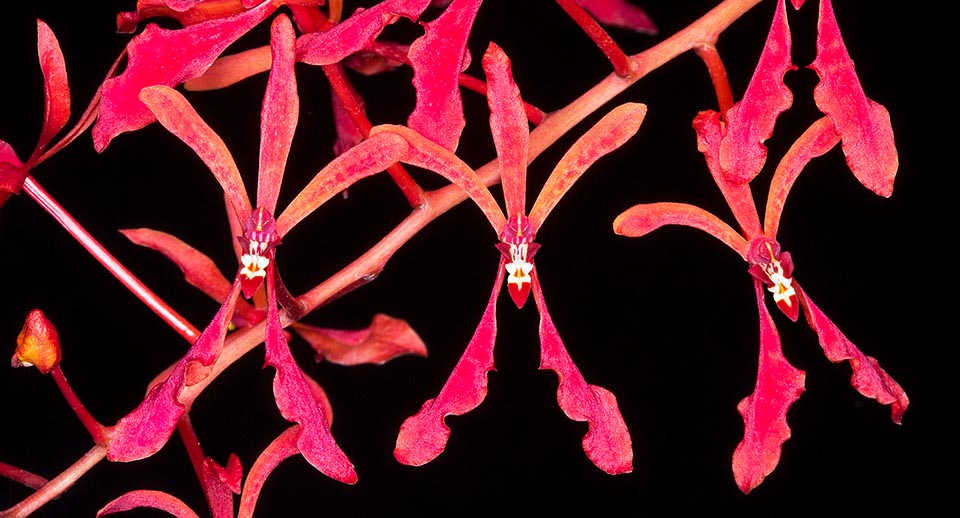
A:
99	433
57	485
141	291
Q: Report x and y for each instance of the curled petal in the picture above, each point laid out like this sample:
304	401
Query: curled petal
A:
764	412
185	53
142	432
278	119
282	448
611	132
644	218
56	91
868	377
620	13
384	340
147	498
607	442
511	131
750	121
424	435
366	158
819	138
296	401
437	59
177	115
863	124
355	33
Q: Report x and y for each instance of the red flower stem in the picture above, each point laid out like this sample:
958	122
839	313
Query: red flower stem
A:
56	486
619	60
100	434
21	476
148	297
718	74
351	101
554	126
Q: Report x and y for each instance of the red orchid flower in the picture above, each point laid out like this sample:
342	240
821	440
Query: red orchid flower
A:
56	113
144	431
779	384
423	436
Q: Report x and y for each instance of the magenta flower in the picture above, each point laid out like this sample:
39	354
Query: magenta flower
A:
146	429
734	153
423	436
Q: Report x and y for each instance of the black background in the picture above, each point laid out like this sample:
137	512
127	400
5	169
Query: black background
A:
667	322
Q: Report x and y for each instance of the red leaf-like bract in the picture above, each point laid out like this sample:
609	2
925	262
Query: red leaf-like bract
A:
863	124
278	118
296	402
607	442
620	13
511	131
147	498
144	431
56	91
355	33
165	57
764	412
437	59
384	340
424	436
868	377
282	448
750	121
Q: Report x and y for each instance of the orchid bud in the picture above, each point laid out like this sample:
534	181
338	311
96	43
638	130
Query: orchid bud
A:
38	344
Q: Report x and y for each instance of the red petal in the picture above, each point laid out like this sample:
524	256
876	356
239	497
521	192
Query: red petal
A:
231	69
620	13
607	442
644	218
868	377
611	132
184	54
437	59
12	172
56	91
424	436
384	340
356	32
282	448
142	432
764	412
511	131
296	402
278	119
177	115
750	121
863	124
147	498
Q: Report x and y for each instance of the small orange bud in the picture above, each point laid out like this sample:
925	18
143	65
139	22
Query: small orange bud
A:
38	344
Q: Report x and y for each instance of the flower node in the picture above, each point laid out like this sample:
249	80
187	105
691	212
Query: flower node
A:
258	240
775	270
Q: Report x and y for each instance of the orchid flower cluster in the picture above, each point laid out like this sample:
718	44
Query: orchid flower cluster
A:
153	80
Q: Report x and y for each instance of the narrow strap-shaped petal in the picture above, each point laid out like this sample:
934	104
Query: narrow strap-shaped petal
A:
148	498
611	132
750	121
863	124
819	138
56	91
366	158
232	69
424	435
511	131
282	448
764	412
177	115
644	218
434	157
355	33
620	13
145	430
198	269
385	339
296	401
868	377
437	59
607	442
185	53
278	118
